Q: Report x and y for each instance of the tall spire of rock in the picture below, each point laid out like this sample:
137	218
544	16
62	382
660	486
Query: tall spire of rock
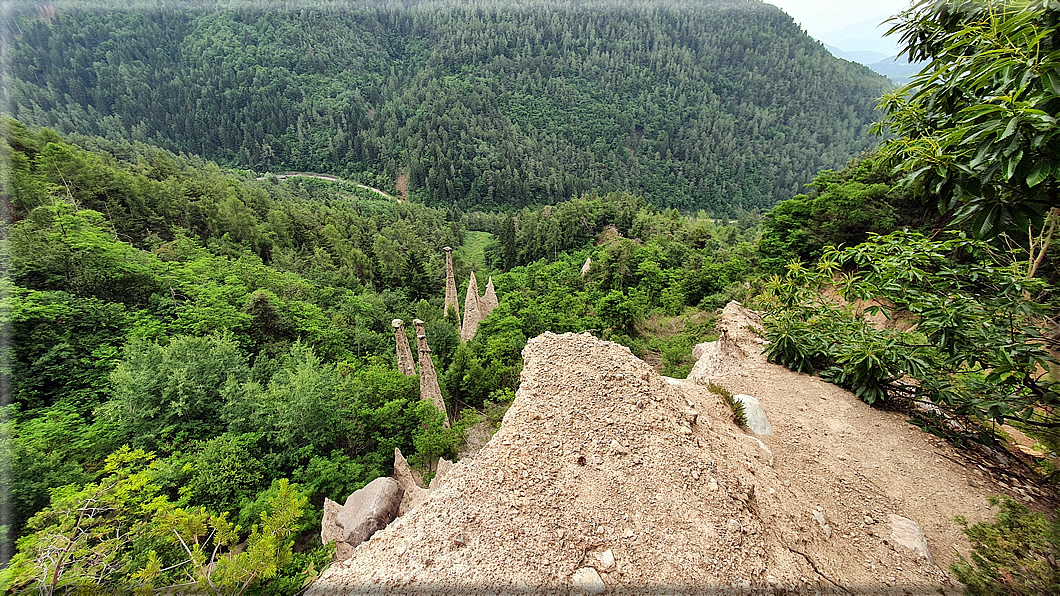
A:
472	314
451	297
488	302
404	353
429	388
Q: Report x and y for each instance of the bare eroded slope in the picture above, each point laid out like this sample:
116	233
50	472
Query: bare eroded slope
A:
599	480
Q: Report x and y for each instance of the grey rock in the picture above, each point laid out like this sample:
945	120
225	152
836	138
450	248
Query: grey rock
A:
756	416
587	581
369	510
329	527
822	519
906	532
343	551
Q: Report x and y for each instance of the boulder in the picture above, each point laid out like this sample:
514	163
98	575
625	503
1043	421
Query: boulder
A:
329	527
906	532
414	494
755	415
587	581
369	510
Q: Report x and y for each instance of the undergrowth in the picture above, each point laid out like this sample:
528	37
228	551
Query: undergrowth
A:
1014	554
496	406
738	415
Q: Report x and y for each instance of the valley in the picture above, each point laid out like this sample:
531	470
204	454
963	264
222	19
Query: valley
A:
553	253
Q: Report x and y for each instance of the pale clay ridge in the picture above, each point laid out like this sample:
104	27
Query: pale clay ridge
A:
599	465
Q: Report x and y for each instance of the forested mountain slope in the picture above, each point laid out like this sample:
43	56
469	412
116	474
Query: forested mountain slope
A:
720	104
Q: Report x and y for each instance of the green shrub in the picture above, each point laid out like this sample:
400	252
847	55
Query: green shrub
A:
976	350
496	405
1014	554
738	415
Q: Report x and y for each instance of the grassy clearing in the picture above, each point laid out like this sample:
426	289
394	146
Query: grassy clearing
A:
473	252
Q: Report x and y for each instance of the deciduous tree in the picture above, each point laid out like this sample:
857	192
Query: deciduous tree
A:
977	127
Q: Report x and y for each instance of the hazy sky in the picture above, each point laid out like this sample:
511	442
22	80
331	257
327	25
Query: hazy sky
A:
823	16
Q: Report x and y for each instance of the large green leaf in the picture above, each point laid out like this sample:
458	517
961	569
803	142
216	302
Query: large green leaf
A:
1039	172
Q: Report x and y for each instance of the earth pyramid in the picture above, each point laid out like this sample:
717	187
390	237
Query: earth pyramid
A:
472	312
429	388
404	351
450	285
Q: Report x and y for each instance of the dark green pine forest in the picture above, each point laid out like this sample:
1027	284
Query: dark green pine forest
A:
720	105
196	352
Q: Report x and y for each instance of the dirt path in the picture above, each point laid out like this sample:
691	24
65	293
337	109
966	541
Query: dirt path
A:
333	179
858	463
600	480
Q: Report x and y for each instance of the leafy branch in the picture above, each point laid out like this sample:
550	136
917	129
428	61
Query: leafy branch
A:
974	346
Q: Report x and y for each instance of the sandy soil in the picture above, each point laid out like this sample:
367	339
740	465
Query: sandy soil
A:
599	480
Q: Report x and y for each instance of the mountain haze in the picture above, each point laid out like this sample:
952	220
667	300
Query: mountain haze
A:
867	43
868	36
720	105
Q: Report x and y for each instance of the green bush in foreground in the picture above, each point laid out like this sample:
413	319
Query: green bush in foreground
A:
1015	554
976	349
120	535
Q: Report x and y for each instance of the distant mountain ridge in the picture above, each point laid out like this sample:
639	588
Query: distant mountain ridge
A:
896	68
722	105
867	43
869	35
866	57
